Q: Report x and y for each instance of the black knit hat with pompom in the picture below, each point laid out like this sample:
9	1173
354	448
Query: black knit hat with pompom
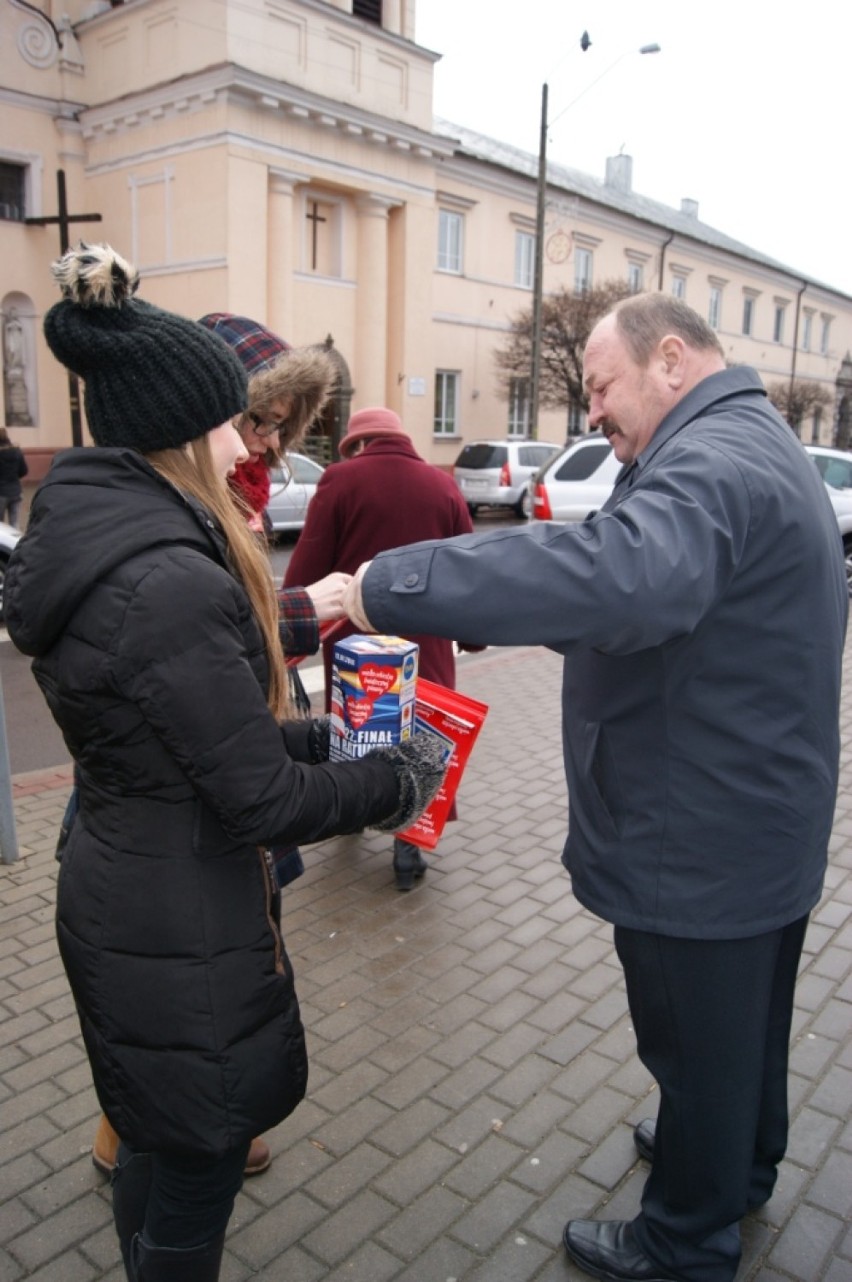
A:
153	380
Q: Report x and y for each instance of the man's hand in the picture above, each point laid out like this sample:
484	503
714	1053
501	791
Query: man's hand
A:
327	596
352	603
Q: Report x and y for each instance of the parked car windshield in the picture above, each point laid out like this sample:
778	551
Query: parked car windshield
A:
482	455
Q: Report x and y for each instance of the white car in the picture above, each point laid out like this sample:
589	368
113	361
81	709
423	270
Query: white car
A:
9	537
576	481
835	468
580	479
292	486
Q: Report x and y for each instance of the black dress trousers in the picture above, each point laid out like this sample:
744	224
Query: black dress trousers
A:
712	1021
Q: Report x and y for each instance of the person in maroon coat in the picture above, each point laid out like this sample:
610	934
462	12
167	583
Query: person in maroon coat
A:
382	495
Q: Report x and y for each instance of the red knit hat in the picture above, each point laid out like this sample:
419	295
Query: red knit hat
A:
369	423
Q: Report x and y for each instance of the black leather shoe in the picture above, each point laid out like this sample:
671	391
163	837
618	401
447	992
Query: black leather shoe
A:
643	1137
607	1249
408	864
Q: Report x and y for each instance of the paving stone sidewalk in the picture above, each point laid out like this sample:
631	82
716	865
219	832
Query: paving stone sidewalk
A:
473	1075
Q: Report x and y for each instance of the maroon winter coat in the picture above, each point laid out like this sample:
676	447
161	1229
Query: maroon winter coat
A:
385	497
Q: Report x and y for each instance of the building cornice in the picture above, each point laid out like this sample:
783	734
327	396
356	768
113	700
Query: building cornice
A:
56	107
239	85
315	168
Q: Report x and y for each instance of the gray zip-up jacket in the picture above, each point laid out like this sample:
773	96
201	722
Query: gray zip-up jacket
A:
702	616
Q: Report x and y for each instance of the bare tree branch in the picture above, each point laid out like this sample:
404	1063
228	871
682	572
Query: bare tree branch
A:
567	320
795	401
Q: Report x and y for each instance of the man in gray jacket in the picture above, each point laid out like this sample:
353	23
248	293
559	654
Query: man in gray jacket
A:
702	614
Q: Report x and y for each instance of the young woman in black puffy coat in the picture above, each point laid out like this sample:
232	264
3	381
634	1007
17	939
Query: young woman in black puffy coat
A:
151	616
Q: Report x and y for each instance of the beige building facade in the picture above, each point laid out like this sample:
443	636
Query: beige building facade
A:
280	159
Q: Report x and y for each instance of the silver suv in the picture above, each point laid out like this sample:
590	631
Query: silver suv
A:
495	473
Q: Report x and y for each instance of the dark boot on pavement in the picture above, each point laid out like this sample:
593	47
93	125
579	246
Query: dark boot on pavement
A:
408	863
165	1264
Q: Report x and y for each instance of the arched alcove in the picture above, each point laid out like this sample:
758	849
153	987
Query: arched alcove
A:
323	441
20	382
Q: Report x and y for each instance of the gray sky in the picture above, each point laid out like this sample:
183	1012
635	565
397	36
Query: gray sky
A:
746	109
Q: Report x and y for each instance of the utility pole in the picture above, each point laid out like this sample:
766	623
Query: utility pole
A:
62	219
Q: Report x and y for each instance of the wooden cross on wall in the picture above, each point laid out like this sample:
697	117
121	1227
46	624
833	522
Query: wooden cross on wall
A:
314	218
62	219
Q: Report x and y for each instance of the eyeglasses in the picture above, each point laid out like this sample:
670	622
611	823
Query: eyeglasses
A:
259	426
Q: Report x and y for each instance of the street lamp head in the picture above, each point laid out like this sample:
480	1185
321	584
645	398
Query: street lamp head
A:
655	48
585	41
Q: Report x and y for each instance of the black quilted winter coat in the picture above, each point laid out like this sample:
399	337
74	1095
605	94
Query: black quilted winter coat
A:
153	666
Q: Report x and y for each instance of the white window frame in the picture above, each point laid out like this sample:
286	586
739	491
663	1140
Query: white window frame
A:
807	330
779	317
33	167
519	408
635	277
749	307
584	267
576	419
450	241
524	259
447	401
825	334
714	311
679	286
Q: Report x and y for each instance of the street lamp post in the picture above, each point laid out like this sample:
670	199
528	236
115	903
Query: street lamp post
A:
538	269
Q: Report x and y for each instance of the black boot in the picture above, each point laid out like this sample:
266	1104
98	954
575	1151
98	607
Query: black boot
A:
166	1264
131	1184
408	863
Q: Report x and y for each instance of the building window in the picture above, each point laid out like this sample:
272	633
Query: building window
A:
679	287
519	407
369	10
635	278
714	312
807	331
778	323
13	180
748	316
524	259
815	430
576	419
825	334
450	227
582	271
446	403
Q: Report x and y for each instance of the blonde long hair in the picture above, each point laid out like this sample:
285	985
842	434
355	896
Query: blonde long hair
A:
191	470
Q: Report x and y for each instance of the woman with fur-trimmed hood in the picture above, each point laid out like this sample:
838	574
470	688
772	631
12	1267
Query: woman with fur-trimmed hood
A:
288	388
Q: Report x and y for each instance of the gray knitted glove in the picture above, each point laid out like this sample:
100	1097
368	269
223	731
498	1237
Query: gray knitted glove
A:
419	766
318	739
